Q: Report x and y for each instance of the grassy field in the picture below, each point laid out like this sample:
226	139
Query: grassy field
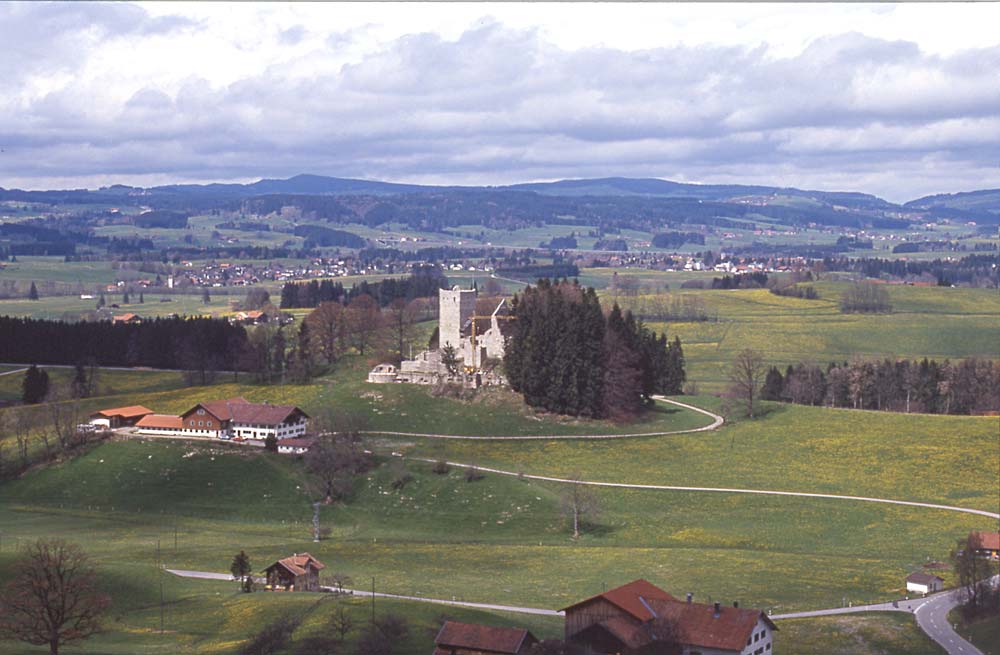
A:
506	542
109	382
60	307
933	322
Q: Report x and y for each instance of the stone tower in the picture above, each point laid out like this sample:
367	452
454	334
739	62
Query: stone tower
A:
456	307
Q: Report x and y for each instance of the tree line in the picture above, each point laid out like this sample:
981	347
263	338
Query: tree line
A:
969	386
159	343
565	355
423	283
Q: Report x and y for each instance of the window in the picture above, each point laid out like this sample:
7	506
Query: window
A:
191	423
208	423
201	412
768	647
756	637
201	423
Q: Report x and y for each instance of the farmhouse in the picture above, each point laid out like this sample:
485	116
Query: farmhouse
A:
923	583
234	418
627	620
987	544
119	416
457	638
127	317
300	572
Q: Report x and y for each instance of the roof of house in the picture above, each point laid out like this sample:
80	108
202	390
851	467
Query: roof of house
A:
125	412
922	578
987	540
482	637
700	626
297	442
164	421
124	318
240	410
298	563
629	597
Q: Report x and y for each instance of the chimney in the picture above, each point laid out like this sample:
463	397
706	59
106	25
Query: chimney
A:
690	596
736	604
718	610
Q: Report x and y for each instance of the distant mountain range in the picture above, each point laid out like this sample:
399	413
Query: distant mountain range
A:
826	207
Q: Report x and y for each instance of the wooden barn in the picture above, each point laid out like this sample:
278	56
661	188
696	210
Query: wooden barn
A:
457	638
300	572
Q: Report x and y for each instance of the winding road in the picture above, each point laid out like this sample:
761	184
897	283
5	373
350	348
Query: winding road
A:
716	422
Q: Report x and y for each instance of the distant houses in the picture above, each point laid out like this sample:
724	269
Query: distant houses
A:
233	418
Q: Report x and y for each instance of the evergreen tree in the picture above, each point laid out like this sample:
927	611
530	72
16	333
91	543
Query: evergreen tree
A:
126	300
141	299
205	297
35	385
101	302
774	385
33	292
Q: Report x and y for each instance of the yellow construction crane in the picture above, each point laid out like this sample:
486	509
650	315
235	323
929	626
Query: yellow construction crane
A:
475	342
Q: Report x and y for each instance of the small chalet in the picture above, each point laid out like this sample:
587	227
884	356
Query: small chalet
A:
987	544
923	583
457	638
119	416
631	620
300	572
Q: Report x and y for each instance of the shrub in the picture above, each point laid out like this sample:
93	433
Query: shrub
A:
441	467
472	474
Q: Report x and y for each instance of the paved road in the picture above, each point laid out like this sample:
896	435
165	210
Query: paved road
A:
931	612
20	370
207	575
766	492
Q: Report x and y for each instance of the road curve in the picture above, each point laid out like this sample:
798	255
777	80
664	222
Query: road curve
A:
716	422
764	492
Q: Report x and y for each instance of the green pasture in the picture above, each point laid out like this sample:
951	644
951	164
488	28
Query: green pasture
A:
936	322
872	632
110	382
949	460
60	307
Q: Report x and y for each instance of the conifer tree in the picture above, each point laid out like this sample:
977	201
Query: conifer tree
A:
33	292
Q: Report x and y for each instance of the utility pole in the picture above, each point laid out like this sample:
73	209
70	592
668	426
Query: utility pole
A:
373	602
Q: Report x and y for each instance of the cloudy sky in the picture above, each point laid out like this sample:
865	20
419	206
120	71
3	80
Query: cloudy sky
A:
897	100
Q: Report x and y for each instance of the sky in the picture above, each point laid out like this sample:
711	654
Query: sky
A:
898	100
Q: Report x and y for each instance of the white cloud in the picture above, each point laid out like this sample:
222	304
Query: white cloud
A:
889	99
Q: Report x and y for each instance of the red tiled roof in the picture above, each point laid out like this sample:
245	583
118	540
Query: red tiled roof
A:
987	540
297	563
296	442
125	412
240	410
481	637
922	578
164	421
628	598
700	627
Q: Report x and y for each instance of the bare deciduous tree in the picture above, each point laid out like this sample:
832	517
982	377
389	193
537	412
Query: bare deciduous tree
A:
363	320
53	598
328	329
579	504
746	377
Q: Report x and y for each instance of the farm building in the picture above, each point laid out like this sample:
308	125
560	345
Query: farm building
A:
923	583
300	572
295	445
627	620
457	638
119	417
987	544
127	317
228	419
